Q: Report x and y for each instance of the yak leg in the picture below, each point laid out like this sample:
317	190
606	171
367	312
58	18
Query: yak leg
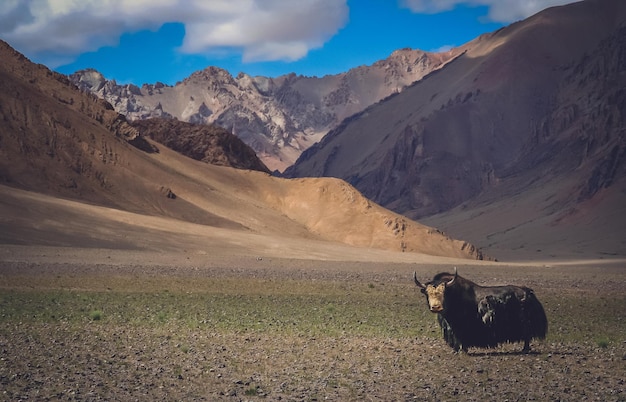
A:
526	327
459	348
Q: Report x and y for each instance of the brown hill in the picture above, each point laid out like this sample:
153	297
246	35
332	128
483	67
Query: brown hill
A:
204	142
93	181
517	144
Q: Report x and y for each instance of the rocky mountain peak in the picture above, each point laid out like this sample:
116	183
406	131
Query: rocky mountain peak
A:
89	79
278	117
210	74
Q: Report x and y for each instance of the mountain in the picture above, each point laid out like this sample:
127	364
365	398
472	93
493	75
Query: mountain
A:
278	117
74	172
517	144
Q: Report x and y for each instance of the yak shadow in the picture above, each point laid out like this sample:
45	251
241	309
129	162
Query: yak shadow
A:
494	353
504	353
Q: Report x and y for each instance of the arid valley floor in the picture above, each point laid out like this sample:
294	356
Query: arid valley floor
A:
105	324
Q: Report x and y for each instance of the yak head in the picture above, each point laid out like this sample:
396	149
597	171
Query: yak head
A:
436	289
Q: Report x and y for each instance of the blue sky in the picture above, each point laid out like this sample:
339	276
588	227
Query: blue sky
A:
145	41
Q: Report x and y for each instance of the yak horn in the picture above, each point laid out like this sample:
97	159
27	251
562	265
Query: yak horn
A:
419	285
451	281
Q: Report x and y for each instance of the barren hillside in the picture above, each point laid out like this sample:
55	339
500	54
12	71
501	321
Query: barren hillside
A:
93	180
517	144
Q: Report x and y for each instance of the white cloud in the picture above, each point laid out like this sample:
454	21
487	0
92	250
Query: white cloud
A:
442	49
260	29
499	10
271	30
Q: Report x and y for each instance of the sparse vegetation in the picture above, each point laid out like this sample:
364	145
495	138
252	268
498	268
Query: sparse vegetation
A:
231	337
252	391
95	315
603	343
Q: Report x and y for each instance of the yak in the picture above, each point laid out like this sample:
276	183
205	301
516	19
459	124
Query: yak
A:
471	315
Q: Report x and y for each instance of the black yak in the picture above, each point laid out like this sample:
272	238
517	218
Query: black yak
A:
471	315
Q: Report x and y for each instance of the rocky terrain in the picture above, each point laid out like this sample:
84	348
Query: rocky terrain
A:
122	325
278	117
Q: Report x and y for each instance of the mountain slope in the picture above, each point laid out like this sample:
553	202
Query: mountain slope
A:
94	181
533	112
278	117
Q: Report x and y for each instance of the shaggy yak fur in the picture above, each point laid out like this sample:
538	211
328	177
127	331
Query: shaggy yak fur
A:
471	315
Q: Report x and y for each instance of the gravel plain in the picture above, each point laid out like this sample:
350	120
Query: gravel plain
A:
292	330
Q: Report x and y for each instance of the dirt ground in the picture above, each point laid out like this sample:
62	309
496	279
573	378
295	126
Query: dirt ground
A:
583	358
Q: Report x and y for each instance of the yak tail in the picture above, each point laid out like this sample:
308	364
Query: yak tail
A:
536	315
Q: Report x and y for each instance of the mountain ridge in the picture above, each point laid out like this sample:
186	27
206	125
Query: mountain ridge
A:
539	101
278	117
